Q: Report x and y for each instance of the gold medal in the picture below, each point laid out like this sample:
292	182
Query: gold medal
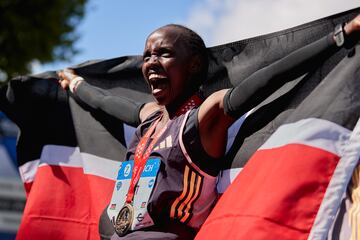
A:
124	219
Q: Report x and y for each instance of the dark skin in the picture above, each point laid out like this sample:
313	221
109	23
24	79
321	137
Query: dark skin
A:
168	68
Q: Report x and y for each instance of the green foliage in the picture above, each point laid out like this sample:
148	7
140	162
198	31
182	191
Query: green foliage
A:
40	30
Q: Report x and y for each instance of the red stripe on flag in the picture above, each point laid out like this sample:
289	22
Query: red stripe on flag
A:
27	186
64	203
276	196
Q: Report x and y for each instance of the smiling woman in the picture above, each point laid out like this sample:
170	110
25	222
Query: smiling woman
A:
172	67
167	66
166	186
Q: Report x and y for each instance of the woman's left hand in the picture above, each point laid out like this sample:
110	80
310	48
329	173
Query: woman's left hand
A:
66	76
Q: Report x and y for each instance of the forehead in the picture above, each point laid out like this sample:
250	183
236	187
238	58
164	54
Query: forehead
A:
166	37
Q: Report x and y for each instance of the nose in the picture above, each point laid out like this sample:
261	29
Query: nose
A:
152	63
153	59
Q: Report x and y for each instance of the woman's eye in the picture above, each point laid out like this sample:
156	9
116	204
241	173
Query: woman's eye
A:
166	54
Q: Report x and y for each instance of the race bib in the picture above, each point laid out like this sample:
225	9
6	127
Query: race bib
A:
142	192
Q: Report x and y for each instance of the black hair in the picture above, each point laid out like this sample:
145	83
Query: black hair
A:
197	47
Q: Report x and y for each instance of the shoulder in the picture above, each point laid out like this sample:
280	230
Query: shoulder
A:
145	124
190	142
148	109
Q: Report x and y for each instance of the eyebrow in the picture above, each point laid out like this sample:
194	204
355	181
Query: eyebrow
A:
168	47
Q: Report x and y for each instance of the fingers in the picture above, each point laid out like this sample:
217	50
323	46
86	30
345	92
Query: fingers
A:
65	77
64	84
64	81
69	74
353	25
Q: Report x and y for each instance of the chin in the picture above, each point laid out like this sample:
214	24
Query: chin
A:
161	101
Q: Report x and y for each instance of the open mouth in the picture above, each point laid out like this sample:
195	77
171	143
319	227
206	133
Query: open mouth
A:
158	83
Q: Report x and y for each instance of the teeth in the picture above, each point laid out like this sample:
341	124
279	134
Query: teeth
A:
154	75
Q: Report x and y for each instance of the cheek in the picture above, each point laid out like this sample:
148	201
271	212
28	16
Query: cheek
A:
180	72
143	70
182	77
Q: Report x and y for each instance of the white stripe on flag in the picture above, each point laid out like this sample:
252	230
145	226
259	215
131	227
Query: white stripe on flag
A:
60	156
102	167
337	187
313	132
56	155
28	170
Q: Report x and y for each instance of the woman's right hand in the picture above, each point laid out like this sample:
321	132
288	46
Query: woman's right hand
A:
66	77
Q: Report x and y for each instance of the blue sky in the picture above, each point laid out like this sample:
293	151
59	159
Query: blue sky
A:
115	28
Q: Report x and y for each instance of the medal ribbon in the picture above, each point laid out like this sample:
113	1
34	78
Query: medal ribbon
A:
192	102
141	157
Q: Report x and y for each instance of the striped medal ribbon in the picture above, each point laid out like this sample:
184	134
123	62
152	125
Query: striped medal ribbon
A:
125	217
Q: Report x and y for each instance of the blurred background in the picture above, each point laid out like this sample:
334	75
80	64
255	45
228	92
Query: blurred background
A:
39	35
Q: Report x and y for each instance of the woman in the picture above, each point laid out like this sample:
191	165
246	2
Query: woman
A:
178	150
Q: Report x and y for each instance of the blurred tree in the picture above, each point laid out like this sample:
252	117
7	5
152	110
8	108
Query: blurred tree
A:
39	30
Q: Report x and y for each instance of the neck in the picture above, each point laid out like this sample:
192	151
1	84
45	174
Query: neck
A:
173	108
170	111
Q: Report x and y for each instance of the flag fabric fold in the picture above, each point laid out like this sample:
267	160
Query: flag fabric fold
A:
304	167
69	154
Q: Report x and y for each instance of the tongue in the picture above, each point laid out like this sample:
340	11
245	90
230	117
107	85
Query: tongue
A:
156	90
159	87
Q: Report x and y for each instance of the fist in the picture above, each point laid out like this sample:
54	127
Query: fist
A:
65	77
353	25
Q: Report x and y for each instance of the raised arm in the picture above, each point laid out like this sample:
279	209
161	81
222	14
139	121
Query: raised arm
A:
222	108
123	108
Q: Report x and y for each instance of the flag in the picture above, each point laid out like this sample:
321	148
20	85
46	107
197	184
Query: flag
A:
69	154
293	185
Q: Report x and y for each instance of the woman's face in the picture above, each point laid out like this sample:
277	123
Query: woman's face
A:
166	65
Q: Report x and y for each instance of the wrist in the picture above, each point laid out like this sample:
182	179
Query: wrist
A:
75	83
340	34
